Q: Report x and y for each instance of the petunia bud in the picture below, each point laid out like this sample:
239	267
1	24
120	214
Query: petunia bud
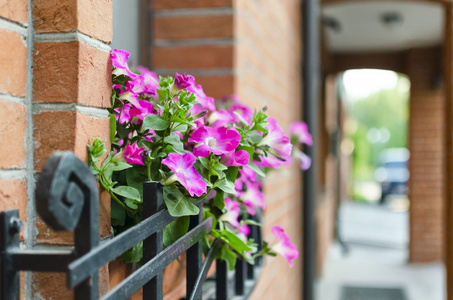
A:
200	114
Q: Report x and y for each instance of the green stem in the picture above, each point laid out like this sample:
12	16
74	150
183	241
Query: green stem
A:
148	167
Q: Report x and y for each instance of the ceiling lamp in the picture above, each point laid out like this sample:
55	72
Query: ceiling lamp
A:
392	19
332	24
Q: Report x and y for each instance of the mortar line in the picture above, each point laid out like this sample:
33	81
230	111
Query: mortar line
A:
13	174
202	72
30	181
95	112
72	36
193	12
13	99
13	26
191	43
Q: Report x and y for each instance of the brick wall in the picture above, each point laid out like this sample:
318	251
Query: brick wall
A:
55	80
253	49
426	135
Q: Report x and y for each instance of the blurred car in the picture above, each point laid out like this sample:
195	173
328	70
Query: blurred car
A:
393	172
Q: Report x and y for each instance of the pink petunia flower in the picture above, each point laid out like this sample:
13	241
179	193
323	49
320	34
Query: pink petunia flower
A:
150	80
305	160
205	101
132	154
244	229
232	212
242	110
300	129
236	159
218	140
131	93
284	246
279	143
123	115
252	197
220	118
271	161
185	173
143	109
184	81
119	61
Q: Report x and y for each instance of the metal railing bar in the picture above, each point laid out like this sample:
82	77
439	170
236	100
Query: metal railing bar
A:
108	251
41	260
140	277
222	283
205	269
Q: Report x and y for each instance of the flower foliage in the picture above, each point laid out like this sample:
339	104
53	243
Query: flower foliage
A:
166	129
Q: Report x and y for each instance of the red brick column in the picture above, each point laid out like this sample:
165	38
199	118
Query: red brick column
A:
250	48
54	86
426	165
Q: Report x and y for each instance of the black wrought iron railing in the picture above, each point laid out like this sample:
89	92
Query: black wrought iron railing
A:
67	199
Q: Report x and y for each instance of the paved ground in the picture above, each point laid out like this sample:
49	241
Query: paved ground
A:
376	238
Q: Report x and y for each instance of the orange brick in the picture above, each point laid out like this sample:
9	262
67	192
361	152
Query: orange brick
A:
176	4
198	57
13	57
14	10
53	285
69	131
93	18
13	117
71	72
53	131
54	16
216	86
193	27
13	195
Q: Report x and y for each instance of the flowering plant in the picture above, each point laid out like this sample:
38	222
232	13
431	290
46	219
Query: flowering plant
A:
166	129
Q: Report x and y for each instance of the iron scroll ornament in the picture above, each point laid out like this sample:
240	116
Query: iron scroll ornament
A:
64	187
67	198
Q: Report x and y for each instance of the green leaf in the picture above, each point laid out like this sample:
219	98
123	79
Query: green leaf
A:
119	166
226	186
256	169
136	176
112	126
219	199
227	255
207	214
241	118
175	230
177	204
133	255
128	192
204	161
254	137
131	203
233	173
251	222
118	214
123	132
249	149
235	242
154	122
174	140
